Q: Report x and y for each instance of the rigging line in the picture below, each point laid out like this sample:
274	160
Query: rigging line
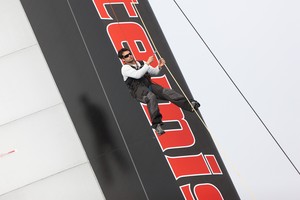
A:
179	85
262	122
166	66
204	124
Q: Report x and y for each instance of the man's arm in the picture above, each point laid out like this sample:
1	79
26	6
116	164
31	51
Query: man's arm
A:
155	70
128	71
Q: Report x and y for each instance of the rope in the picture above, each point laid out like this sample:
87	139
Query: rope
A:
203	123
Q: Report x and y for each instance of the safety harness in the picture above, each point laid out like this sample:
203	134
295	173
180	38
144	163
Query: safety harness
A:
133	83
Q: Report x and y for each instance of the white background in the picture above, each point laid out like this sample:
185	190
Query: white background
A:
258	44
48	161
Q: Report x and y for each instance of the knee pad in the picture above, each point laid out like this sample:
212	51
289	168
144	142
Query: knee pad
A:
149	96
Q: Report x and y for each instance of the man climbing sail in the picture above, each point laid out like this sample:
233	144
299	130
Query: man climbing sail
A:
137	76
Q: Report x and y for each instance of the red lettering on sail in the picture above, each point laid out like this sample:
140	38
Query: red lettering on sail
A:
137	40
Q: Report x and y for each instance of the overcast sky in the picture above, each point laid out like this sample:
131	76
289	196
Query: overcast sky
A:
257	42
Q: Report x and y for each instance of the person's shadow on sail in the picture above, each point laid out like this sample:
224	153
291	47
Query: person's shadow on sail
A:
103	141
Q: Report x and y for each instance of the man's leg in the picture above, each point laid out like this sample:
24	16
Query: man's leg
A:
152	104
174	97
145	96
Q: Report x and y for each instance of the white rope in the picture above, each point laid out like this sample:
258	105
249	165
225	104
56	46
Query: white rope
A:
195	111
